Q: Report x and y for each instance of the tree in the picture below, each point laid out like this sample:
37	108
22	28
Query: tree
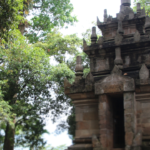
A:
48	14
144	4
11	15
29	80
57	45
27	70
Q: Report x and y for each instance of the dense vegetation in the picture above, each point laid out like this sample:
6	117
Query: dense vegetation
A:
30	87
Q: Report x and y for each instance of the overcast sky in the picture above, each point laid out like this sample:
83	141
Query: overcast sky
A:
86	12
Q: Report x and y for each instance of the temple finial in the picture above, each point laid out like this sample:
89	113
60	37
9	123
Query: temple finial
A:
138	8
143	12
93	35
79	67
98	22
84	44
126	2
105	15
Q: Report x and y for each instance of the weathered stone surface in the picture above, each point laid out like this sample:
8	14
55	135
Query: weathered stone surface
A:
114	83
147	22
118	39
142	13
115	61
79	67
137	141
98	22
84	44
81	147
120	16
67	83
118	60
100	40
93	36
137	36
120	29
138	8
126	2
131	15
144	73
105	15
95	142
129	138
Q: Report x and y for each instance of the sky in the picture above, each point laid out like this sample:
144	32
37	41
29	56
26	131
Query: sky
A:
86	12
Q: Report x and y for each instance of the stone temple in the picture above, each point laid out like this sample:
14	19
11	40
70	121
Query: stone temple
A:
112	104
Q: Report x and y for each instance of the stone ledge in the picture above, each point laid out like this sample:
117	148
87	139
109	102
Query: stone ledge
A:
142	82
81	147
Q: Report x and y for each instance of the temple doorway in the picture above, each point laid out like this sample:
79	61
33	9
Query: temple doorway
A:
118	121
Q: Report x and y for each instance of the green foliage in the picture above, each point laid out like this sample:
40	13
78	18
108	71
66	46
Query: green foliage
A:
57	45
29	132
71	123
144	4
29	78
5	109
27	71
61	102
49	14
11	15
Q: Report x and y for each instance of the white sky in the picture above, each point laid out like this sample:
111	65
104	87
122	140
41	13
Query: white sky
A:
86	12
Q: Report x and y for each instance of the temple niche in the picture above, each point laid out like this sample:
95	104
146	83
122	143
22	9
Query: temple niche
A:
112	105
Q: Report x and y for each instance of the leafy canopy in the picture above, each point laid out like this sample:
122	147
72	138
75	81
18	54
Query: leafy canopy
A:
11	12
48	14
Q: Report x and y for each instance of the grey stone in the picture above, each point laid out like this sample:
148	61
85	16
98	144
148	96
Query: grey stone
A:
84	44
122	7
128	147
109	19
144	72
79	67
93	35
95	142
137	141
66	83
120	29
129	85
116	71
131	15
126	2
100	40
105	15
147	22
118	60
138	8
120	16
98	22
127	11
118	39
137	36
115	82
143	12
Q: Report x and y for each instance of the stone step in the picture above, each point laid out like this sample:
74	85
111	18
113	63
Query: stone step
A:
118	148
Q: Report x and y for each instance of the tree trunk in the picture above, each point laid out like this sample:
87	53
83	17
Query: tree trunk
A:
9	138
